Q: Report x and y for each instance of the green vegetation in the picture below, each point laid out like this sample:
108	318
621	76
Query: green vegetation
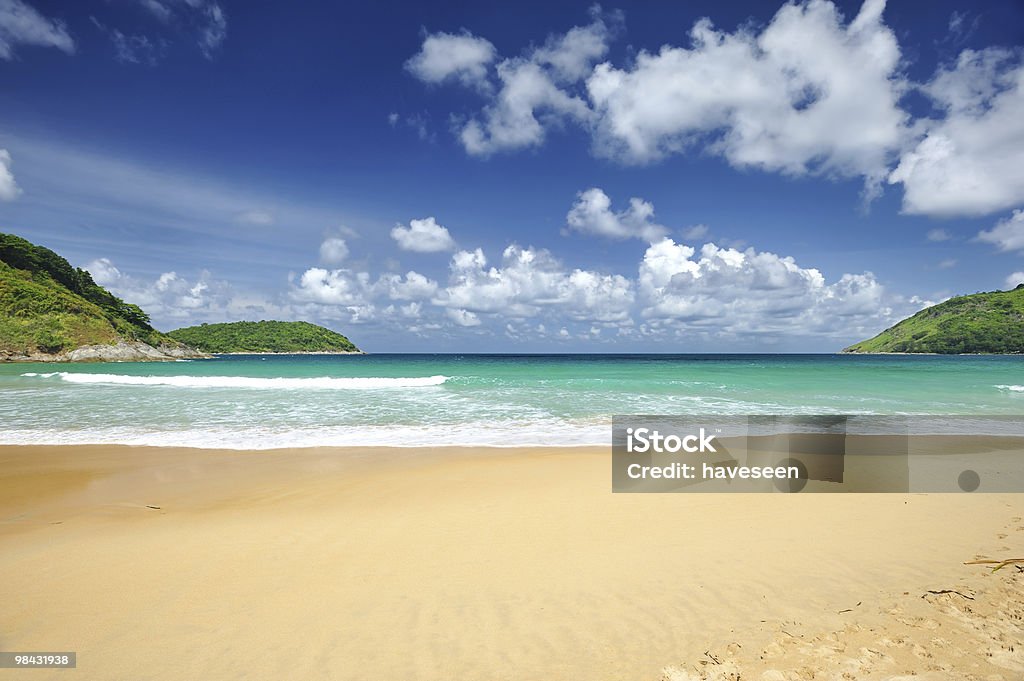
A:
48	306
263	337
980	323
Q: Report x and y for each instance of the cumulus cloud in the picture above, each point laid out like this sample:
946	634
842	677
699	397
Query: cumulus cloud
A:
696	232
530	281
413	286
592	214
333	287
21	24
970	162
9	189
531	95
1008	234
463	317
172	299
572	55
808	94
514	119
333	250
103	272
711	294
423	236
1014	280
447	56
938	235
727	291
356	297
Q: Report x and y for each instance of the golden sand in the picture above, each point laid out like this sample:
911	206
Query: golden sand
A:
486	564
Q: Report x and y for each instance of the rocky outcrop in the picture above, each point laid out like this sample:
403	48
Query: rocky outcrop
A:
124	351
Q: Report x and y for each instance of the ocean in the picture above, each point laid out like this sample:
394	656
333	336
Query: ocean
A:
266	402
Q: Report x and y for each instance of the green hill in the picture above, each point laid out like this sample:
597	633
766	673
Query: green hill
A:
264	336
49	308
980	323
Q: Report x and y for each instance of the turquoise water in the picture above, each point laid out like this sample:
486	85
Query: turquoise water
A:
257	402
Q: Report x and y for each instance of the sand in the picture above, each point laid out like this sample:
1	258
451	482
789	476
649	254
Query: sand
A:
486	564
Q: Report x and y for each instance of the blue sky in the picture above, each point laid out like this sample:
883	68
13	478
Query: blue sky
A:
528	177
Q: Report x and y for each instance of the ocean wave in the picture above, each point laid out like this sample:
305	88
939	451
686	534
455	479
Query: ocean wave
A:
1012	388
255	437
246	382
596	432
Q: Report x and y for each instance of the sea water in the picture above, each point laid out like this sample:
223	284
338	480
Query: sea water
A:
263	402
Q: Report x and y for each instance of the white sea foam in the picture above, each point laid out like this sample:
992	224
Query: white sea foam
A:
480	434
549	432
1012	388
246	382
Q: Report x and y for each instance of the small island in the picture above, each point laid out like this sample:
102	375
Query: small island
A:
980	323
265	337
51	311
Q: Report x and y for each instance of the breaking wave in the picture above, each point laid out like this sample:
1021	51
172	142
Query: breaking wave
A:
245	382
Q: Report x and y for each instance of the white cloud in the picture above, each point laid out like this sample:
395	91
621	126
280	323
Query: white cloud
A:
332	287
443	56
971	162
723	291
947	264
1008	234
530	282
333	250
572	55
696	232
938	235
808	94
423	236
710	295
592	214
174	300
414	286
463	317
513	120
9	189
1014	280
530	95
20	24
103	272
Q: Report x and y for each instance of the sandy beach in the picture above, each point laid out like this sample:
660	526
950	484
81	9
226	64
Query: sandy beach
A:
407	564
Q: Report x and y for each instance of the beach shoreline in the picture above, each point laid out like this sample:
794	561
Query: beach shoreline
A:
477	563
